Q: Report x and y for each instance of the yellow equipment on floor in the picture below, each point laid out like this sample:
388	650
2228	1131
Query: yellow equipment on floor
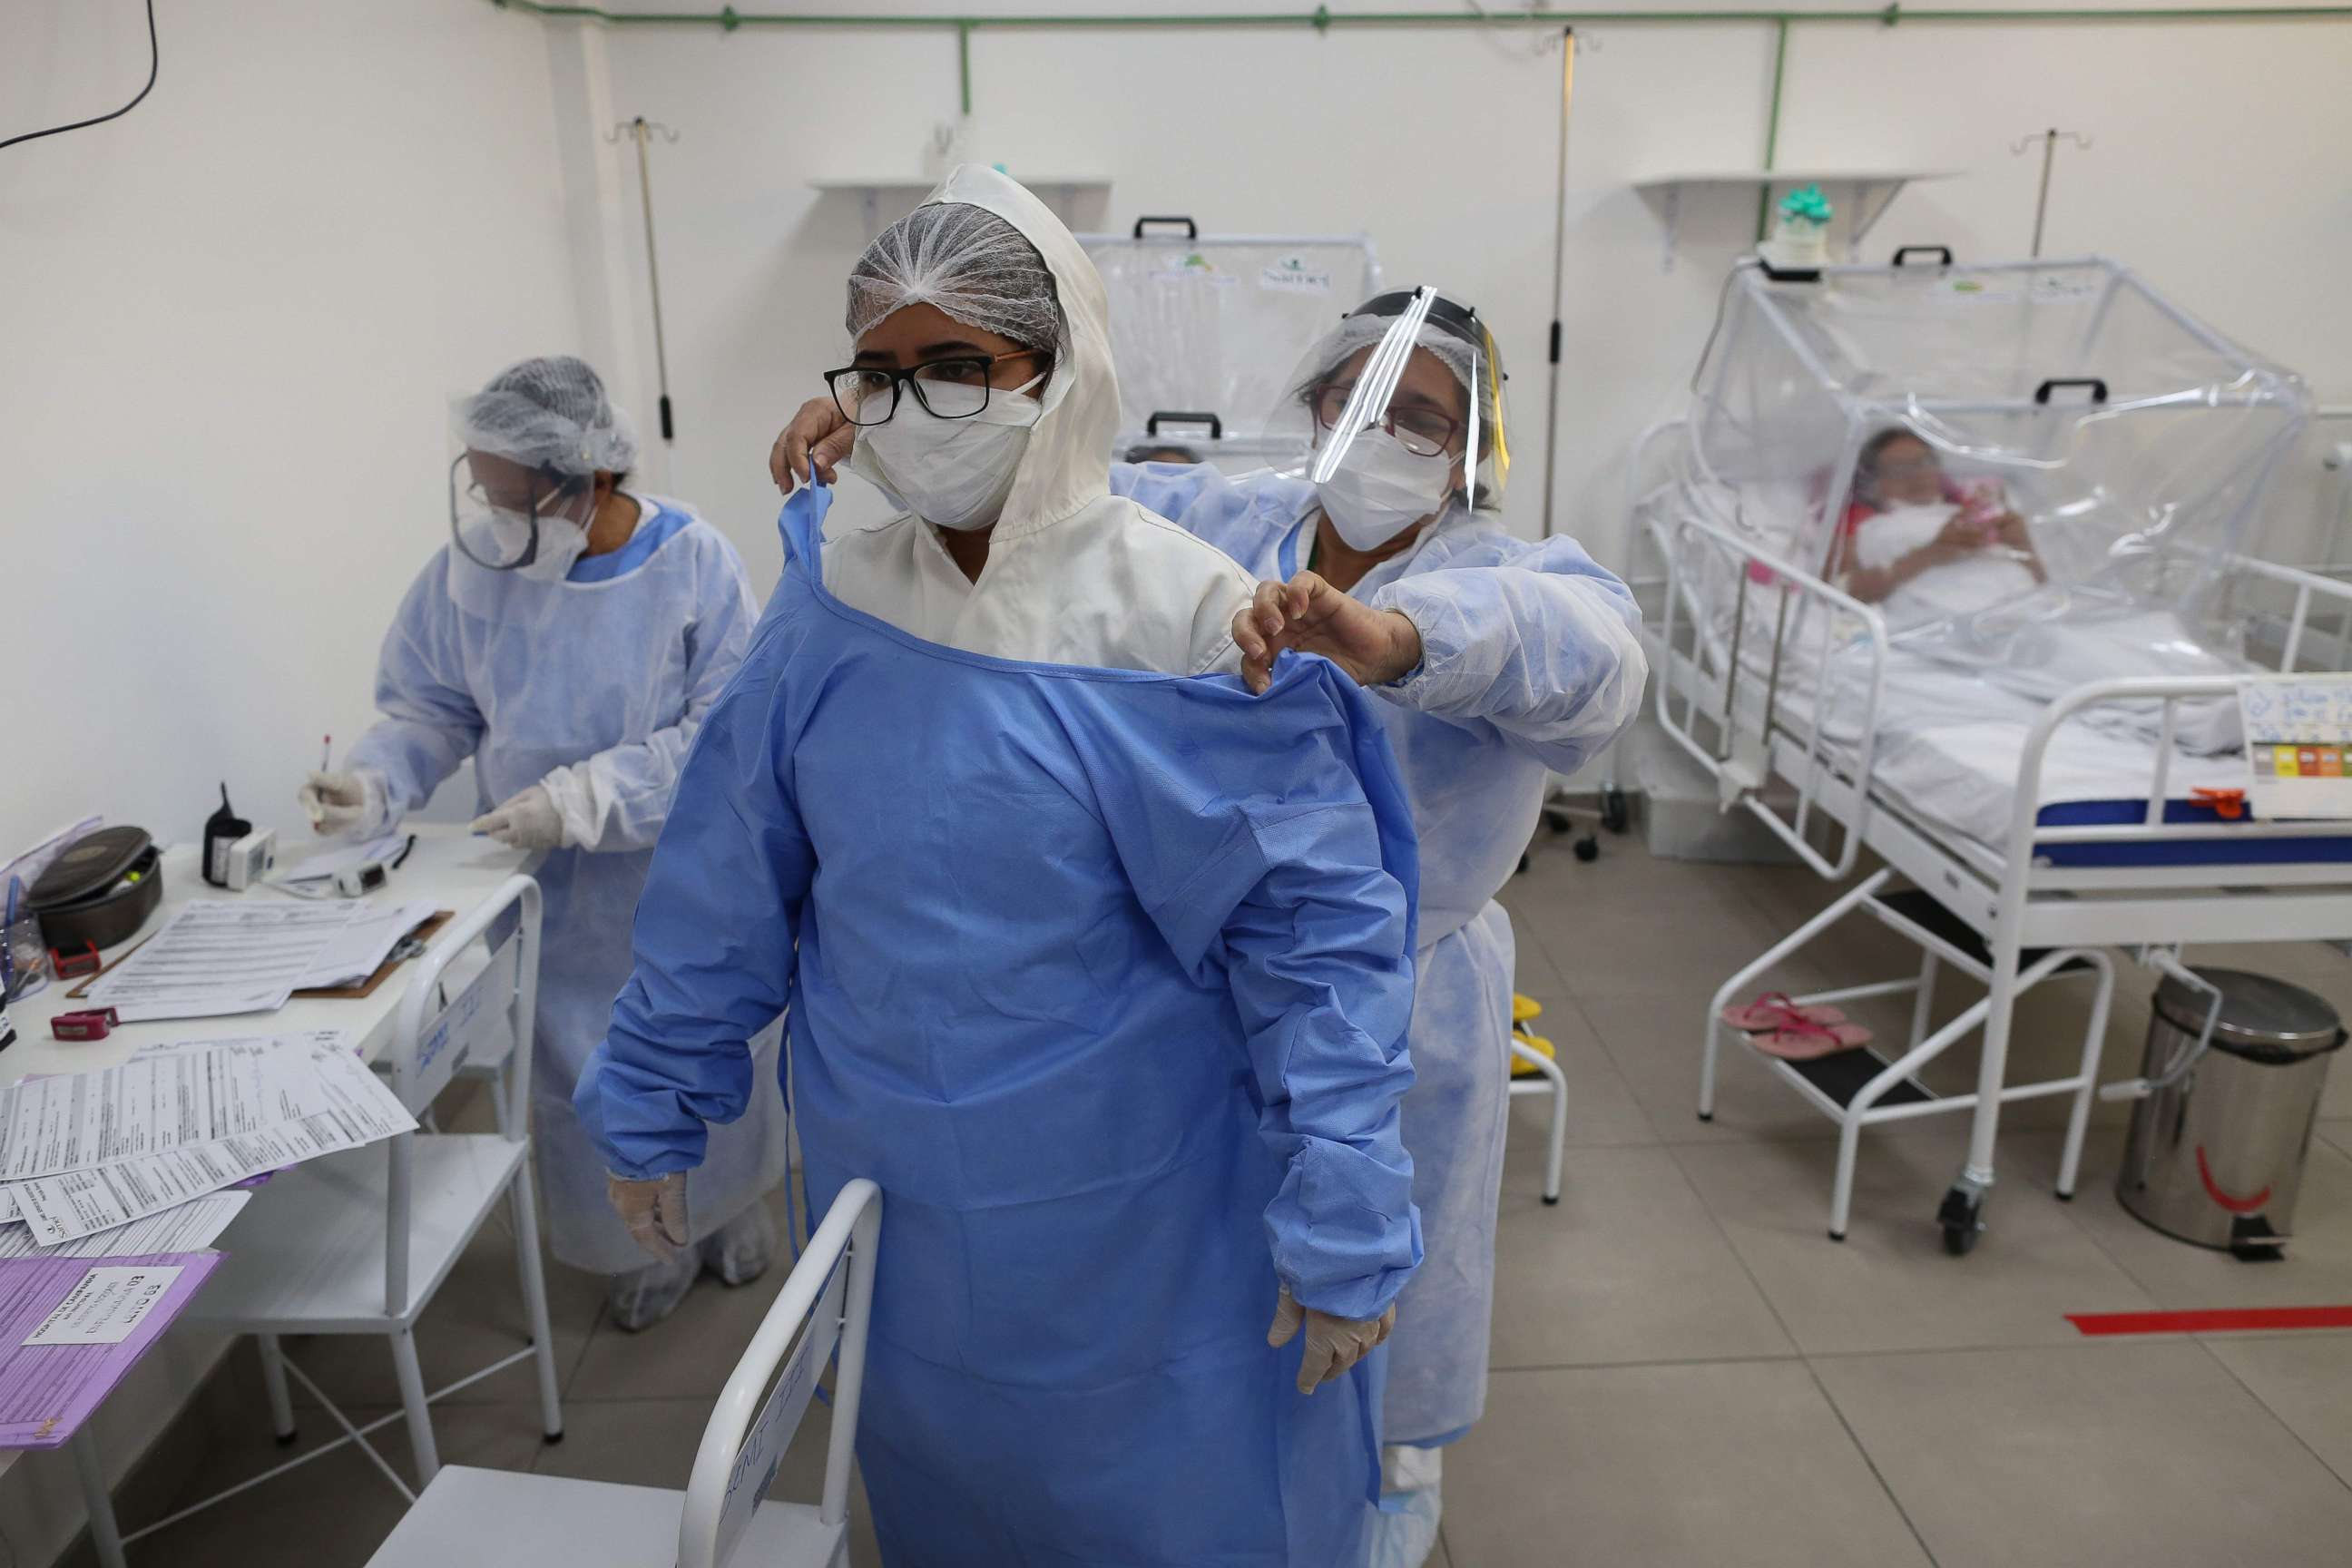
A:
1523	1009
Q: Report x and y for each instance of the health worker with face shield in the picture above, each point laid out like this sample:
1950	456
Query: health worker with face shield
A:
1495	661
1096	964
571	637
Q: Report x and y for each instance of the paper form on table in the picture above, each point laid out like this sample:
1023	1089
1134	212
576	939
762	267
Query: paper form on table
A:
217	957
365	943
323	865
107	1305
76	1203
160	1100
193	1225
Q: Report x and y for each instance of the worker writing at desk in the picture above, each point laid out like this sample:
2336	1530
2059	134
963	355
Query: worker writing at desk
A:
569	637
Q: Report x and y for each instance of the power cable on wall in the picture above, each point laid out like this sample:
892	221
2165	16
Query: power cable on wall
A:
154	67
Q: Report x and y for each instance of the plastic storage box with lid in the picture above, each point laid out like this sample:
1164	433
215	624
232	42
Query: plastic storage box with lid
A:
1211	324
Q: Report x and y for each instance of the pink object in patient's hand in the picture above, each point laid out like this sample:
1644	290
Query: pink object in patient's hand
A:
1980	500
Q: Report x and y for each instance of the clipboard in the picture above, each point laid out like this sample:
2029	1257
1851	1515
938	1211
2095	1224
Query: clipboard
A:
424	932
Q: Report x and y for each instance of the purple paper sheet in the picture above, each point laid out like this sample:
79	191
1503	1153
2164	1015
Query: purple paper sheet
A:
46	1392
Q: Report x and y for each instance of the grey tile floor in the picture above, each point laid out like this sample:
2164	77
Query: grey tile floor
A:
1686	1370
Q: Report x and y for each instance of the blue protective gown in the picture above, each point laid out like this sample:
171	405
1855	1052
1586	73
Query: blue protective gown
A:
1104	976
608	673
1530	664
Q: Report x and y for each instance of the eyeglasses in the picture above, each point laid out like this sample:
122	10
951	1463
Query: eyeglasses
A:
954	388
483	498
1424	432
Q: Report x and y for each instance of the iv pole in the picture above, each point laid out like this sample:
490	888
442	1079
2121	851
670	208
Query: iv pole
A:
1559	266
2049	140
641	130
1611	811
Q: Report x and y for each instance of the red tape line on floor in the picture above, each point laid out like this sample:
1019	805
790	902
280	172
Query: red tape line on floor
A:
2216	1321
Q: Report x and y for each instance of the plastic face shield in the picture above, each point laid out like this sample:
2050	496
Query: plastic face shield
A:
498	508
1336	400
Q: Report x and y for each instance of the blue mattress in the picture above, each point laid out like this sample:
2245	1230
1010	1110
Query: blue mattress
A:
2320	847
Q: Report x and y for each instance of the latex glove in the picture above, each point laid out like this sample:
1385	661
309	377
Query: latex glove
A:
654	1211
344	803
525	821
1307	614
1333	1345
818	435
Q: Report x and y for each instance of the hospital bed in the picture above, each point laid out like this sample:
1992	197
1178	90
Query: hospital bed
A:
2015	839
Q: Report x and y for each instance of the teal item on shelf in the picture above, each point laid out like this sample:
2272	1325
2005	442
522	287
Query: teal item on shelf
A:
1806	205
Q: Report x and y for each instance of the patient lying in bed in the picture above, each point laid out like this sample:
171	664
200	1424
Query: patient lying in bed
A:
1955	572
1924	549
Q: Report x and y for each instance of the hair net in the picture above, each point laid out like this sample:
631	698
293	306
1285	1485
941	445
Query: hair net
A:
549	412
1454	334
970	264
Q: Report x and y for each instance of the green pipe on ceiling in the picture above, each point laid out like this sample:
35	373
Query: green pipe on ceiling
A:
728	18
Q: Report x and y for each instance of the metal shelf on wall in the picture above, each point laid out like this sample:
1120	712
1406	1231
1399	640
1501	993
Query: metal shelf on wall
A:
1862	189
1060	191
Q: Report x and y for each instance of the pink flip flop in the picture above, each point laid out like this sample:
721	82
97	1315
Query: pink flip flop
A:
1801	1041
1774	1010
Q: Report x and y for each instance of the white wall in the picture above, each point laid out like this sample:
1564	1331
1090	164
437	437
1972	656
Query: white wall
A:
2213	173
229	323
2217	171
229	326
231	320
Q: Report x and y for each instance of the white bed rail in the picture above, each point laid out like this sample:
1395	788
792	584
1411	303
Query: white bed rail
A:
2025	830
1748	739
1740	754
2309	588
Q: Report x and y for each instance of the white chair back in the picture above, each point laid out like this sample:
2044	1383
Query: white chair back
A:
433	1037
831	1290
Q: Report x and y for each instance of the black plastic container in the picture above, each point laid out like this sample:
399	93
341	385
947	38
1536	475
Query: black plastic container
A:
222	828
100	891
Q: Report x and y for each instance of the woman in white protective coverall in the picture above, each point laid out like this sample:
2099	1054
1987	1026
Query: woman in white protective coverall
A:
569	637
1498	661
1099	964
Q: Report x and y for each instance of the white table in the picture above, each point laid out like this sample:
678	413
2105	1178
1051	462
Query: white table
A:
449	867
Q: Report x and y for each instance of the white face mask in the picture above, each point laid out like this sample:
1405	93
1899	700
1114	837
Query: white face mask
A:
953	473
1381	490
560	541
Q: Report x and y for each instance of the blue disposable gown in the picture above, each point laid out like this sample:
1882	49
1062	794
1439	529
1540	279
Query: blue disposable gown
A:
613	669
1104	976
1529	664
